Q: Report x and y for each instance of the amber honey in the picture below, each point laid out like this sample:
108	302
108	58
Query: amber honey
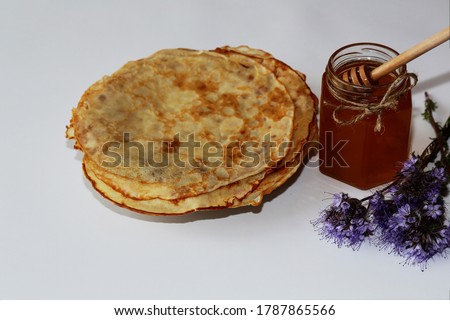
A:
356	153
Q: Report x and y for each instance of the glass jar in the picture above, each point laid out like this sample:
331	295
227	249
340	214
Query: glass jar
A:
360	147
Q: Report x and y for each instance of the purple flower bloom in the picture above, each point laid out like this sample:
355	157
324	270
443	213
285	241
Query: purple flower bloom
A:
401	218
397	221
345	206
424	247
433	211
409	166
432	196
345	222
397	195
415	235
405	210
439	174
381	210
338	198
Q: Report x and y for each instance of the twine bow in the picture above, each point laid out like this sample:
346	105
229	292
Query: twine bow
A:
388	102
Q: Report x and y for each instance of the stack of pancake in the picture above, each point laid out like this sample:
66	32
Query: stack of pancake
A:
186	130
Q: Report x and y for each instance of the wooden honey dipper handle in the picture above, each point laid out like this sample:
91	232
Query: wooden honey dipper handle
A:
411	54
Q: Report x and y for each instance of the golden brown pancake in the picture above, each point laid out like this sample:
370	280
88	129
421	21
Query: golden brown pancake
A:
226	97
177	94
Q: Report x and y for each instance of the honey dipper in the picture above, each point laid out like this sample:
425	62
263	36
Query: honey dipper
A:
361	75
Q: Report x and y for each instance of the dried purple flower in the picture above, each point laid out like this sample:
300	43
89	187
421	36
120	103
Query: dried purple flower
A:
401	219
410	165
439	174
381	210
433	210
416	228
345	222
415	236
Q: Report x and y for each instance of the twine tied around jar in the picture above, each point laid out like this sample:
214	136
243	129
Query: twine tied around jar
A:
388	102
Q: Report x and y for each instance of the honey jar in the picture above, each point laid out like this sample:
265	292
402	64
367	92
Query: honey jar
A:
364	129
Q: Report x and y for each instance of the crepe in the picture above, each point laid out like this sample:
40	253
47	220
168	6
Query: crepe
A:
164	99
224	96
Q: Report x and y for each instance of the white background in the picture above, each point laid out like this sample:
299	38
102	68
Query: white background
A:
60	240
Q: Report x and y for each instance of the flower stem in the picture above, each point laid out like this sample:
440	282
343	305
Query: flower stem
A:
439	144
